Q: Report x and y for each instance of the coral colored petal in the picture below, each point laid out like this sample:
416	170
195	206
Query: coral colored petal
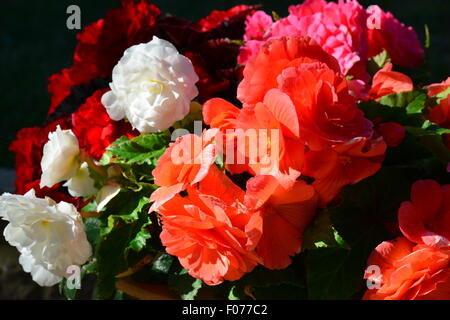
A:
282	108
215	110
279	241
386	82
164	194
217	183
259	189
426	196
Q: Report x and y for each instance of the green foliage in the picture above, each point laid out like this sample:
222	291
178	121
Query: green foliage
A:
411	100
376	110
261	281
320	233
143	149
139	242
360	219
70	294
334	273
431	138
92	227
442	95
130	162
123	227
377	62
407	109
163	263
185	285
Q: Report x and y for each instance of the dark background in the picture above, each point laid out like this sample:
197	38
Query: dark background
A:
35	43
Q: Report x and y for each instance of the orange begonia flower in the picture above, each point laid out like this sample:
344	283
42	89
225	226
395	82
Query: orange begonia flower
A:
266	136
210	231
285	214
261	73
386	82
343	165
185	162
402	270
440	114
426	218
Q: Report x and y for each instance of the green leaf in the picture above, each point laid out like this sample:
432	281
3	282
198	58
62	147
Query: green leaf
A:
90	207
121	232
140	241
427	43
163	263
91	267
232	295
377	62
70	294
136	201
261	280
375	110
367	206
382	58
92	227
442	95
111	259
431	138
143	149
404	99
320	232
275	16
185	285
417	105
334	273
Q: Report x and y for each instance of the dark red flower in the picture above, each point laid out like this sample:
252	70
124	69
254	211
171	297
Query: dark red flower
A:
400	41
216	18
209	45
392	132
57	193
101	45
94	128
27	150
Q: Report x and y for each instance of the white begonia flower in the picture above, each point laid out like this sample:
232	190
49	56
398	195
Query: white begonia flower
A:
50	236
61	157
152	86
81	184
106	194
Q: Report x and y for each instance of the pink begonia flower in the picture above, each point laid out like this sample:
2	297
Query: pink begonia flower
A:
249	51
401	42
338	27
257	26
308	7
348	13
335	40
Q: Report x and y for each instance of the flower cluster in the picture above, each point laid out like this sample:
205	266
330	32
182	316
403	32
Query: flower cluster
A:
59	160
416	265
312	138
295	86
